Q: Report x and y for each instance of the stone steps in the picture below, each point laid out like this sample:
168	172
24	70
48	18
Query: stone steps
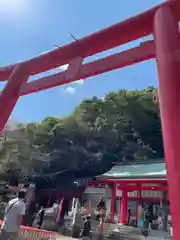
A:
114	232
123	233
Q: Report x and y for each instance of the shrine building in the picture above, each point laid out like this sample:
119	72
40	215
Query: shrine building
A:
127	186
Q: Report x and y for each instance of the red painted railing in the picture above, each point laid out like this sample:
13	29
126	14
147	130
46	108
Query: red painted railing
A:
35	234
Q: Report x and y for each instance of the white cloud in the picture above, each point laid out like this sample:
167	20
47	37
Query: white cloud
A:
70	90
102	98
80	82
64	68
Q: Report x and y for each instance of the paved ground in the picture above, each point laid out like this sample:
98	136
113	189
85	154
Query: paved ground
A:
158	235
61	237
151	237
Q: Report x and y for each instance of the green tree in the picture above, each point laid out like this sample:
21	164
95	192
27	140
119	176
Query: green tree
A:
124	126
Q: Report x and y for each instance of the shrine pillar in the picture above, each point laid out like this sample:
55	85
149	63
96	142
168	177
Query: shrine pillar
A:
59	210
137	210
73	204
123	207
138	202
113	199
167	43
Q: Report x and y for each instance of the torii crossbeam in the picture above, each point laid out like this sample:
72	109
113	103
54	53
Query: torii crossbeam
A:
162	22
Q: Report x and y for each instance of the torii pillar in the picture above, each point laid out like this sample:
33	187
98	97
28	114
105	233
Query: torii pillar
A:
167	41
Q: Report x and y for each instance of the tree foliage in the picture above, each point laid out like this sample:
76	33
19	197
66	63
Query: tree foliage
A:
123	126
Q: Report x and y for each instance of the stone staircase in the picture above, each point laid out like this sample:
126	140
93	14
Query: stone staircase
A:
116	232
122	232
126	233
111	232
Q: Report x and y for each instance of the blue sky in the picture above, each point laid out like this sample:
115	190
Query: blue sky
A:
30	27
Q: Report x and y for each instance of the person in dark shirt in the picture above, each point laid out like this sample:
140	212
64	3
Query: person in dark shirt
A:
86	228
41	216
149	217
129	217
101	204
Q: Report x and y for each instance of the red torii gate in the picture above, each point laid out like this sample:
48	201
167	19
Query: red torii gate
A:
162	22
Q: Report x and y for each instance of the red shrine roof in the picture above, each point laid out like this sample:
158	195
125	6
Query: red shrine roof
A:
137	171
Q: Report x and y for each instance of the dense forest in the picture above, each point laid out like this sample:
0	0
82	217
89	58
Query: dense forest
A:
123	126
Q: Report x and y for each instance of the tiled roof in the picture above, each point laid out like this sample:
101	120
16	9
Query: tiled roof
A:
147	170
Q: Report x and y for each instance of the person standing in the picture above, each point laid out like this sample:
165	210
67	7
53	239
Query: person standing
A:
101	207
129	217
86	232
141	216
41	216
14	212
160	221
101	204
